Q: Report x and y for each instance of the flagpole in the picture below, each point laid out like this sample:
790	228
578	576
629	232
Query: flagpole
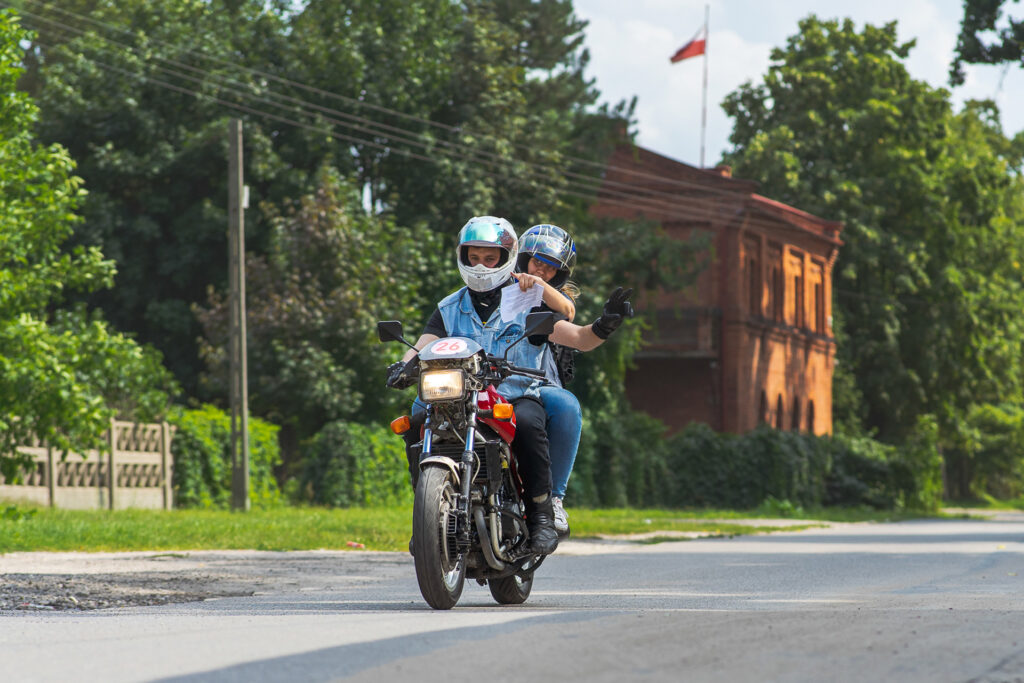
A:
704	108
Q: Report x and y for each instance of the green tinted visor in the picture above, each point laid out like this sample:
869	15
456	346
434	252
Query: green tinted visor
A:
483	234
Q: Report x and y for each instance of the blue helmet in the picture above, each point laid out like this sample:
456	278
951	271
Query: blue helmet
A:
552	245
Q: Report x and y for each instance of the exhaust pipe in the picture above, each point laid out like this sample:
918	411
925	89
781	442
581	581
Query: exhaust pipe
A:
481	529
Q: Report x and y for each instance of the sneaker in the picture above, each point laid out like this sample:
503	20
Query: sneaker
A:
561	517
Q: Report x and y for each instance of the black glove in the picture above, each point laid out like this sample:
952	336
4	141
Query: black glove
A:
396	376
616	309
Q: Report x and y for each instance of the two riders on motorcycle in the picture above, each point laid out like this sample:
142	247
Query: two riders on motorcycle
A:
487	255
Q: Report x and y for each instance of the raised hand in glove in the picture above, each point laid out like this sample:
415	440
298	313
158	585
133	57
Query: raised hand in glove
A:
396	376
616	309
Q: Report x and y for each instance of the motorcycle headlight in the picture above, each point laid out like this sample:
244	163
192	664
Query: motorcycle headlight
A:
441	385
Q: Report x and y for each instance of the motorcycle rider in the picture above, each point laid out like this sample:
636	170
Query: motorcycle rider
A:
486	256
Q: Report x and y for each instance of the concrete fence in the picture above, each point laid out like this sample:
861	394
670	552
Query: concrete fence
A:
139	457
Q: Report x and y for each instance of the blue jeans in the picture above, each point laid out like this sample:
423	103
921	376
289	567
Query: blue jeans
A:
565	421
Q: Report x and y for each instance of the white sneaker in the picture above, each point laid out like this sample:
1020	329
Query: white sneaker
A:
561	517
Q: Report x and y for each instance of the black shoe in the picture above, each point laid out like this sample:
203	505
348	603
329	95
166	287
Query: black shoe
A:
540	521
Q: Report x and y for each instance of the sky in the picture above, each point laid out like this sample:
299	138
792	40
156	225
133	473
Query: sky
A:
630	44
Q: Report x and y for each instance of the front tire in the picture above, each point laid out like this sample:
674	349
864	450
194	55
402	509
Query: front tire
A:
440	570
511	590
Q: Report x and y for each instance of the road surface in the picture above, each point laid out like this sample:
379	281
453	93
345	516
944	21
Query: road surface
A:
932	600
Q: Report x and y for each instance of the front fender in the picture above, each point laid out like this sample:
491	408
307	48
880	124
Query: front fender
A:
442	460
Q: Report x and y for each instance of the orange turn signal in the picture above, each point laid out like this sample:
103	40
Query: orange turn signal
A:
503	411
400	425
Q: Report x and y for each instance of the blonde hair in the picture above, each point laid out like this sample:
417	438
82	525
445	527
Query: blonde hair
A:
571	290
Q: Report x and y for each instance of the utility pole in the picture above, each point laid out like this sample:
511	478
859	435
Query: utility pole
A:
237	200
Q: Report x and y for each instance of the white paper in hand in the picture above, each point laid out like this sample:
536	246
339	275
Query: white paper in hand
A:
514	300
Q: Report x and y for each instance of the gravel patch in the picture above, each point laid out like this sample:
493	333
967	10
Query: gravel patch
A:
88	581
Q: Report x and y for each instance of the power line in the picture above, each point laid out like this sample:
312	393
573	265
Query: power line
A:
660	203
600	167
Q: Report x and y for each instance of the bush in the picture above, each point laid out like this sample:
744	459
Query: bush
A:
621	461
742	471
348	464
628	462
202	459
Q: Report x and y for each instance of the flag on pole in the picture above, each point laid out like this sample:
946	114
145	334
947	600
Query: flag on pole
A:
693	48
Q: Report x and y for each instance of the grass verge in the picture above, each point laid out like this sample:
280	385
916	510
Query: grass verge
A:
24	528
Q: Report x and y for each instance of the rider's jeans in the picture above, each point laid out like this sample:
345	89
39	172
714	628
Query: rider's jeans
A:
564	423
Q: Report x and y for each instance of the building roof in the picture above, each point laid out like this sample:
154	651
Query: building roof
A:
638	181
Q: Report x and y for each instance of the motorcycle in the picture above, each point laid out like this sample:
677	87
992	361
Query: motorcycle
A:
468	513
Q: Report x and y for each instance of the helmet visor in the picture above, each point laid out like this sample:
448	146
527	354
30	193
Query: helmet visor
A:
479	233
548	246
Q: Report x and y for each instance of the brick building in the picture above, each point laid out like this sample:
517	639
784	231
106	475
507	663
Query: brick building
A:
752	341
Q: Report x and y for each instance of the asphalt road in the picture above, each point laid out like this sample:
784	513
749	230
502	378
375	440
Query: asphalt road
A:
915	601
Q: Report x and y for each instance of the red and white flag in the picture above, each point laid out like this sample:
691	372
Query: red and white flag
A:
693	48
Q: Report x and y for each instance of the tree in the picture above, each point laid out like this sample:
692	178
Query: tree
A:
928	282
1006	46
117	84
313	304
440	110
63	373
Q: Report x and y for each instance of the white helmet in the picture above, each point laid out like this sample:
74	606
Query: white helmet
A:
487	231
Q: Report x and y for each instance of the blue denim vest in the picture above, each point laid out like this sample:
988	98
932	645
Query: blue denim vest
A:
461	320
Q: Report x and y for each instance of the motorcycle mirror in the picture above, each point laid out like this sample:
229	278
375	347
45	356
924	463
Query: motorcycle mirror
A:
536	323
540	323
389	330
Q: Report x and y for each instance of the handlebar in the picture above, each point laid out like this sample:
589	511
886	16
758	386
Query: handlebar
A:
527	371
503	364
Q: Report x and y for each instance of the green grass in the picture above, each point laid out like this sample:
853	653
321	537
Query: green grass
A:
24	528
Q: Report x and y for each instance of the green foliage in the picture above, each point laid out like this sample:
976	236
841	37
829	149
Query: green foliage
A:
348	464
928	283
313	304
988	461
202	459
980	17
711	469
636	465
63	373
620	462
438	110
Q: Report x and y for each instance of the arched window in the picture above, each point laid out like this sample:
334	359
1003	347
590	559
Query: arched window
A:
778	413
795	424
762	411
810	416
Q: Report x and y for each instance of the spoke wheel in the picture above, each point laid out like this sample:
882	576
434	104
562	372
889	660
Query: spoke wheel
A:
440	569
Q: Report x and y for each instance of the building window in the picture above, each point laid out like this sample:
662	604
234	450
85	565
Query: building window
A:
798	302
810	416
778	294
778	413
754	275
819	308
796	414
762	411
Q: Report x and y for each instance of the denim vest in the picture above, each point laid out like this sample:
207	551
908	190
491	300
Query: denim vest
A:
461	320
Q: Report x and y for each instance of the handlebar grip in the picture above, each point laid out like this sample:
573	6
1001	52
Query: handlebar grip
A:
527	371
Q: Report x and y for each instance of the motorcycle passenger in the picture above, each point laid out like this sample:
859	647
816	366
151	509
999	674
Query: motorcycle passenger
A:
548	254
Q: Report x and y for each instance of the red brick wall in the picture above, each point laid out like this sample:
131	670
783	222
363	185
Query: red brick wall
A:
677	391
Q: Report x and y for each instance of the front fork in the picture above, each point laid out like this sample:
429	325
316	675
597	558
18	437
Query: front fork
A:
466	469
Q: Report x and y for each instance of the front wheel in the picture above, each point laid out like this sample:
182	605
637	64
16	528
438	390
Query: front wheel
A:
440	569
511	590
